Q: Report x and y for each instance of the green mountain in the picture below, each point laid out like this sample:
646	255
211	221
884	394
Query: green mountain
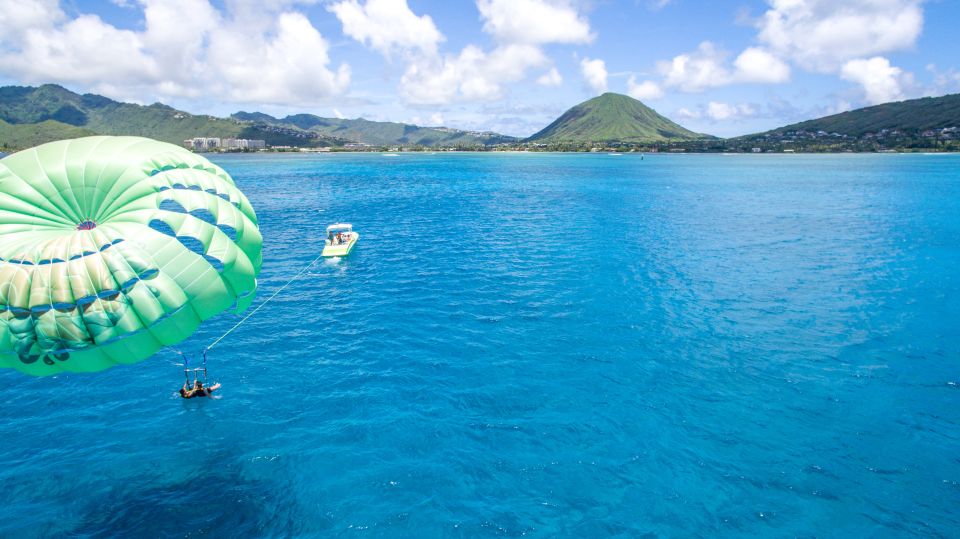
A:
613	118
20	105
911	117
56	113
14	136
31	116
379	133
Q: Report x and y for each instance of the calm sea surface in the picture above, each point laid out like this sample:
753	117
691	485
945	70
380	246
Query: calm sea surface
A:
541	345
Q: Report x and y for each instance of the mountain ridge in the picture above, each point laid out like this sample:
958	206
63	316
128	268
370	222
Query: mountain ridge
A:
925	113
56	112
379	133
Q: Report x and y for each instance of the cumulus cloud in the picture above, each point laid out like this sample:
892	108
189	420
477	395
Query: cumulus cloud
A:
707	67
881	81
174	40
846	38
821	35
686	114
695	71
723	111
758	65
716	111
534	21
944	82
520	28
472	75
595	74
246	53
643	90
387	25
17	18
287	67
550	78
78	51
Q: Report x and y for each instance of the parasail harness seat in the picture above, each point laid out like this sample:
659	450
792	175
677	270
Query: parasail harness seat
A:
195	370
197	388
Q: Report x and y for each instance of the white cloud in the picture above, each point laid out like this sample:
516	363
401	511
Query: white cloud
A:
881	81
78	51
821	35
338	114
758	65
846	38
696	71
550	78
595	74
643	90
716	111
431	77
387	25
534	21
707	68
824	36
723	111
287	65
18	17
472	75
944	82
249	53
174	40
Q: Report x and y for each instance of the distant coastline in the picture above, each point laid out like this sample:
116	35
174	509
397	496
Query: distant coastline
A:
603	151
607	123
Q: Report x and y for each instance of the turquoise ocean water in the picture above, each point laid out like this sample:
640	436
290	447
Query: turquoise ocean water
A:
542	345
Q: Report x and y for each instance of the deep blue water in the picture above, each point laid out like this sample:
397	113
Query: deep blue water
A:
542	345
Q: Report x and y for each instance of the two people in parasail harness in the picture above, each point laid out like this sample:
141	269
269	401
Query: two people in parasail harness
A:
198	389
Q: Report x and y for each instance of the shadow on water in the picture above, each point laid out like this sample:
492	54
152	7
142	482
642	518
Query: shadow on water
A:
214	502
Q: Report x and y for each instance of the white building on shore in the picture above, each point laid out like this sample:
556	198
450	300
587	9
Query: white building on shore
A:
202	144
242	144
211	144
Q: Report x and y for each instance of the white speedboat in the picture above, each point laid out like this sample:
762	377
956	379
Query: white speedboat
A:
340	240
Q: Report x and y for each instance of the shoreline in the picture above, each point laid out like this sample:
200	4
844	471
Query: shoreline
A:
605	152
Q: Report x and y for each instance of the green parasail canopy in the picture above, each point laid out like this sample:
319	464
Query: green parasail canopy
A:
114	247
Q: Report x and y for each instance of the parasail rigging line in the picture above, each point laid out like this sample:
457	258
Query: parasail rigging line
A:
186	365
253	312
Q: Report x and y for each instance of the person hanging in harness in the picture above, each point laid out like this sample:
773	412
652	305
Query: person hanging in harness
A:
198	389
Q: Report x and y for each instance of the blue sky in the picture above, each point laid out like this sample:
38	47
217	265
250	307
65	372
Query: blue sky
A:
512	66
